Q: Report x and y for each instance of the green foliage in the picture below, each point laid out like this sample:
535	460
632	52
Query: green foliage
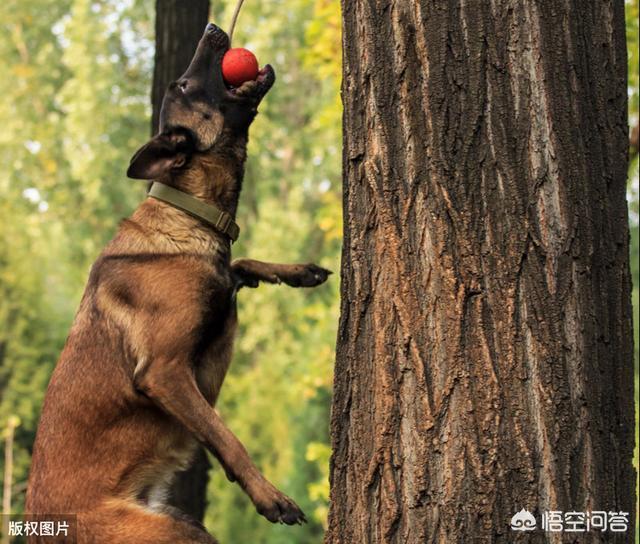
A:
75	105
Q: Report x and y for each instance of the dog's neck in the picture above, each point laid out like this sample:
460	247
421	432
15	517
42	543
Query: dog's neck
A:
215	178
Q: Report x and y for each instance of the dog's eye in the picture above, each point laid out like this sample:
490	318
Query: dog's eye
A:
183	85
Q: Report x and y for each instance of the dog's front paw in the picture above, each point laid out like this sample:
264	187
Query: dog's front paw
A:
305	275
276	506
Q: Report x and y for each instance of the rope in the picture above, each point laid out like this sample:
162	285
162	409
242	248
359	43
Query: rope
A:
234	18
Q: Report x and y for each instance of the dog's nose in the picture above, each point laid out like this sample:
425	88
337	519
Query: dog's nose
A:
216	37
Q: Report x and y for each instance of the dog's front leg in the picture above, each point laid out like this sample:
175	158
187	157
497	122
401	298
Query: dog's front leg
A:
250	273
170	383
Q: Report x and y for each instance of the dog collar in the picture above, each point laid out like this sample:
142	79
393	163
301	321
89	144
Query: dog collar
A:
209	213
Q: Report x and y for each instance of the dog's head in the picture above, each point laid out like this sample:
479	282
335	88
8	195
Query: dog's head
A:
199	112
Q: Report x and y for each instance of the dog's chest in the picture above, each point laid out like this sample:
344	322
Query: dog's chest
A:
216	345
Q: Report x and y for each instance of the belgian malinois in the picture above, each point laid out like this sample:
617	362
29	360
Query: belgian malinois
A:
134	389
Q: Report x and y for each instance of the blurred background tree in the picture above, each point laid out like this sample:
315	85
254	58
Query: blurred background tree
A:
75	106
75	102
178	29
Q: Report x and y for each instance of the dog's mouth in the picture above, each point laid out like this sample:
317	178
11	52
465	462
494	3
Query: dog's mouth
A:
216	41
253	89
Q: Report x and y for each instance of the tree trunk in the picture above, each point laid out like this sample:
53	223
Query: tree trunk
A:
484	359
179	27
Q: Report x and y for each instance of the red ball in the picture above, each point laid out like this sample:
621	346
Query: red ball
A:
239	65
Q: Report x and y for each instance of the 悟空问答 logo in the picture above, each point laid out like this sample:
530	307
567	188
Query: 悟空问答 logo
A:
523	521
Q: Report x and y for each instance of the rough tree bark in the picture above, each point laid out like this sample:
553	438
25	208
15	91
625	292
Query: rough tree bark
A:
484	359
179	27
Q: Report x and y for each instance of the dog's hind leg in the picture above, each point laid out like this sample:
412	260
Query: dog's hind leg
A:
127	522
250	273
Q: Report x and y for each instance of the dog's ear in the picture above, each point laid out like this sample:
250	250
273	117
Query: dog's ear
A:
163	153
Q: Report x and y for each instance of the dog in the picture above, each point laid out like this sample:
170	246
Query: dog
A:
134	389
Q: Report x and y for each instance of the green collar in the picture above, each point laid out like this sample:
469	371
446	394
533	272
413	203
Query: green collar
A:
209	213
